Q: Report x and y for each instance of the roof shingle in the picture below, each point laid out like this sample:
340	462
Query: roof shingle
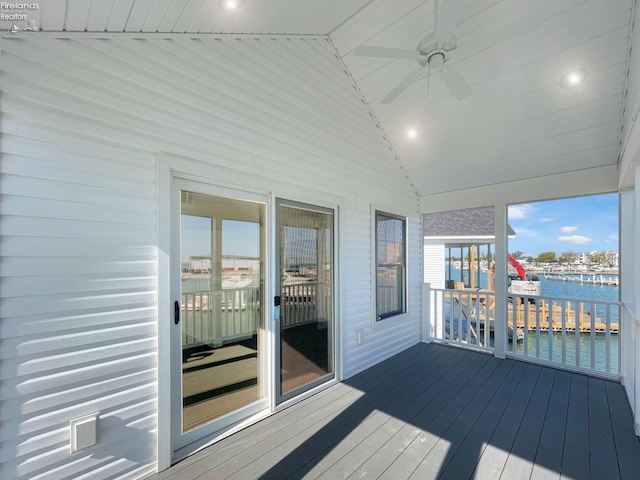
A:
470	222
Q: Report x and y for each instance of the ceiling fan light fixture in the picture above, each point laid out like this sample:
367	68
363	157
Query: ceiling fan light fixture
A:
573	78
436	60
228	5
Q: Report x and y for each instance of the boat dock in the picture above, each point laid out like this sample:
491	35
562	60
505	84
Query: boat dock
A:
555	315
605	279
557	318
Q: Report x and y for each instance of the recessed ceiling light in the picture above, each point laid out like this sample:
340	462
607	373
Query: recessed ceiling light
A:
573	78
230	4
413	133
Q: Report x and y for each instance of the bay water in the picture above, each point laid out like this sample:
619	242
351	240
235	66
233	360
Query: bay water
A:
551	349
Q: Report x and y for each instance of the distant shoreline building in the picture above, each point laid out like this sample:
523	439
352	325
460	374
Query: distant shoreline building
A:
202	264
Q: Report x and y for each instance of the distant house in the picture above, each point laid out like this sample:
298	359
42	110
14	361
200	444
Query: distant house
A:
453	233
200	263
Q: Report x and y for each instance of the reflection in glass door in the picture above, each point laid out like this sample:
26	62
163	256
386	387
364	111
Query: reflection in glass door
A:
306	327
222	278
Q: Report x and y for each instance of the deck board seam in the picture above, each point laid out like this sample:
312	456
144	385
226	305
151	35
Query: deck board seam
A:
496	398
440	360
378	387
413	418
535	371
421	426
426	388
606	396
455	413
230	442
507	366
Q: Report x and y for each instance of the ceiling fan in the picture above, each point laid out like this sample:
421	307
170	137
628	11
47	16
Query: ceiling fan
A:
434	50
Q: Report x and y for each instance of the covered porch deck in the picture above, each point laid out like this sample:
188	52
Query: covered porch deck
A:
437	411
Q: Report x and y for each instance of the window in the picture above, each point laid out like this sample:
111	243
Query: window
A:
391	260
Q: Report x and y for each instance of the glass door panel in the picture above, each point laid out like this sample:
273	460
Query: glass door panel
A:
306	284
221	280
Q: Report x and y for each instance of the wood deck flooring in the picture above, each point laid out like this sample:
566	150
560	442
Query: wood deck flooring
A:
435	411
217	381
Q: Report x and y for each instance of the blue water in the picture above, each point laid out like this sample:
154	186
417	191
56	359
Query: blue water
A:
199	284
539	347
555	288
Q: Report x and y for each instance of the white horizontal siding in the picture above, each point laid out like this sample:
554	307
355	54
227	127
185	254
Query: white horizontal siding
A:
82	121
434	263
382	339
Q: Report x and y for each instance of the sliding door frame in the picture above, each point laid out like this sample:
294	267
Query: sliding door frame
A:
280	397
172	166
305	197
183	439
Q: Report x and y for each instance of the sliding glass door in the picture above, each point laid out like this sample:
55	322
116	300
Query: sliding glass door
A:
219	319
305	324
221	343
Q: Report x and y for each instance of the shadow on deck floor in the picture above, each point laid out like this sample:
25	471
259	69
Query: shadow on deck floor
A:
437	412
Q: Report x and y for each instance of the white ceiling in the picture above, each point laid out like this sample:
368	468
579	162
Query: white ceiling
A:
518	123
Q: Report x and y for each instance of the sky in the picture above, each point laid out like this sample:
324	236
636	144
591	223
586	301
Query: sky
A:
238	238
581	224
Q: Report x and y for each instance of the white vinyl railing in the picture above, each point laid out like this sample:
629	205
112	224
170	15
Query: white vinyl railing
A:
220	316
303	303
578	334
457	316
389	290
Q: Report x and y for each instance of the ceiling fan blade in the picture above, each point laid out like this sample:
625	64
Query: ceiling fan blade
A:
458	86
403	85
385	52
449	14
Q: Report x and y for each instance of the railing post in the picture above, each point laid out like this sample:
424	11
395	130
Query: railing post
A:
500	332
427	320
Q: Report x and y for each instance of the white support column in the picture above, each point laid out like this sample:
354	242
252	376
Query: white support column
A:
628	227
427	314
634	323
215	317
627	272
500	332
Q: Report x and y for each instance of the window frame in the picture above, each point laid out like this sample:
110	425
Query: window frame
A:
377	215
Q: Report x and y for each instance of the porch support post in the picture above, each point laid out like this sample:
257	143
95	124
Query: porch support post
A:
629	296
217	324
500	329
633	328
427	314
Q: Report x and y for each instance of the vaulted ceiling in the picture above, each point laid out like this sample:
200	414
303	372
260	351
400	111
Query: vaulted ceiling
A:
518	122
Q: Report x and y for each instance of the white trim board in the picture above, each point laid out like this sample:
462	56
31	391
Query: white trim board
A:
571	184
